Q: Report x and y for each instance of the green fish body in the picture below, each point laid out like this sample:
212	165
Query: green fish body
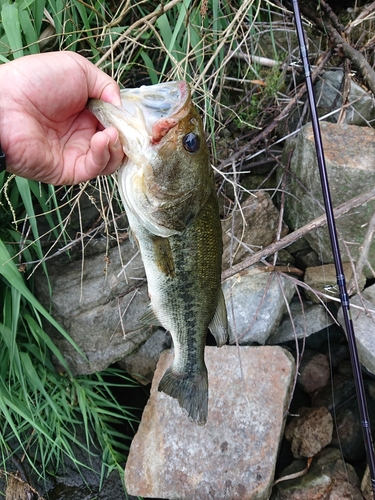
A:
167	186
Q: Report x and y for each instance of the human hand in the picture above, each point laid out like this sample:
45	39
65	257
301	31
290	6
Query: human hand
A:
45	130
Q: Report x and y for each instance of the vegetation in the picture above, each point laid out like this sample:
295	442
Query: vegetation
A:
135	43
43	410
237	56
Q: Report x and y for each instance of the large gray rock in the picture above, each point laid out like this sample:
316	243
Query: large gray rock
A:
350	158
304	321
99	305
250	227
364	326
256	302
234	455
328	95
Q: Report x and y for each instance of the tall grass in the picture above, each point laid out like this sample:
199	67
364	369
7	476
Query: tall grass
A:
205	43
42	410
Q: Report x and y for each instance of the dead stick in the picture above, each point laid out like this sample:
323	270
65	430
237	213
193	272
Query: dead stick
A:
299	233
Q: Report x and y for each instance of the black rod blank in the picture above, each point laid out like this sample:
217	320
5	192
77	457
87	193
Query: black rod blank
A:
344	298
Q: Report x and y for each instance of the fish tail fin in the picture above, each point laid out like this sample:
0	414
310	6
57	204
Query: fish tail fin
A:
191	391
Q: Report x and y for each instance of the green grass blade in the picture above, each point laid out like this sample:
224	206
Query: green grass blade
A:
10	272
29	32
12	28
152	73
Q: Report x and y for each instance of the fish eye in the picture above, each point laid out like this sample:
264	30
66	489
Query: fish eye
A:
191	142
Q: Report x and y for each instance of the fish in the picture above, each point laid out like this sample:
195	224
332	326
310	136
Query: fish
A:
167	186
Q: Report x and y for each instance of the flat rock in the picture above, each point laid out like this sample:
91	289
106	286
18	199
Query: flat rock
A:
350	159
234	455
255	304
364	326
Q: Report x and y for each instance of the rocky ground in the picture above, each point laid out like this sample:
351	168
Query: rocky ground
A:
280	290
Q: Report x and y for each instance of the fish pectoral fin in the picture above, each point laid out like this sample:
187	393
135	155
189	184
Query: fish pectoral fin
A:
149	318
219	323
190	390
163	255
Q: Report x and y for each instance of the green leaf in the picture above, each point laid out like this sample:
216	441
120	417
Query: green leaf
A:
34	381
29	32
150	67
25	4
10	272
12	28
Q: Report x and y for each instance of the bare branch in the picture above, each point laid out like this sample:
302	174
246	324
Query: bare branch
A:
299	233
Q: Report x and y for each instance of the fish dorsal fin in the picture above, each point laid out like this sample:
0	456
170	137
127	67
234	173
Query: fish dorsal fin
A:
219	323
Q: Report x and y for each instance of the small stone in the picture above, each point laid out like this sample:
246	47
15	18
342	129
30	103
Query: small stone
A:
310	432
255	304
307	320
360	108
234	455
345	368
366	487
307	258
349	432
329	477
348	437
314	371
337	353
343	390
324	280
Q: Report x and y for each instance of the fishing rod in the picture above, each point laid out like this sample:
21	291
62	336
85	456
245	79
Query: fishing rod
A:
344	298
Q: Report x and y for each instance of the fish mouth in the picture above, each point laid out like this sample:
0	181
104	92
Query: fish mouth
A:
159	107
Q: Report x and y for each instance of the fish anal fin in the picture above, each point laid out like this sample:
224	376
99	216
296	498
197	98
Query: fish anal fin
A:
219	323
163	255
190	390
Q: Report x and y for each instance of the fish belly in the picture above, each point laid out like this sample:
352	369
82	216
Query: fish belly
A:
183	274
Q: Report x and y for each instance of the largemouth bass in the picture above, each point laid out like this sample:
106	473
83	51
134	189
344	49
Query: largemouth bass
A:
167	186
